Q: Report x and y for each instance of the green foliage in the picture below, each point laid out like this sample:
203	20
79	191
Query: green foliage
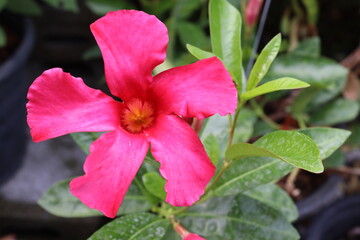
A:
312	10
2	37
337	111
274	196
154	183
59	201
199	53
212	148
193	34
275	85
101	7
248	173
24	7
238	217
263	62
335	160
68	5
292	147
225	30
327	139
140	226
85	139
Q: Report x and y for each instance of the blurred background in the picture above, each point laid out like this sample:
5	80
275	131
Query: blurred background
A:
36	35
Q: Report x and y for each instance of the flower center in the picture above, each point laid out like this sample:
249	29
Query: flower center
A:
137	115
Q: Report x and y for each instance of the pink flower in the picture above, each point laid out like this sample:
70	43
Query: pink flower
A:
185	235
150	116
193	236
252	11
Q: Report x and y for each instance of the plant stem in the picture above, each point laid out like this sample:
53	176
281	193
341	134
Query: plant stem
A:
258	110
290	182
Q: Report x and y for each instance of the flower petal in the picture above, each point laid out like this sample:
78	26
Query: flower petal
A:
60	104
132	43
193	236
200	90
183	160
109	170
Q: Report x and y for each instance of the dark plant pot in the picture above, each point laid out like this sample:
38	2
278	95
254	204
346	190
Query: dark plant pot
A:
328	193
338	221
13	137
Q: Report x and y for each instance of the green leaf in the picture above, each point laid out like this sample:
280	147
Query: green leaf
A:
312	10
292	147
327	139
248	173
193	34
184	8
318	72
275	85
237	218
302	100
338	111
24	7
309	47
85	139
354	138
59	201
212	148
140	226
263	62
3	4
275	197
92	53
337	159
68	5
219	127
225	31
155	184
101	7
2	37
199	53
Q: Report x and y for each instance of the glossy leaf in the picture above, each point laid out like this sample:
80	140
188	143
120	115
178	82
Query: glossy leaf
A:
327	139
101	7
237	218
219	127
29	7
225	30
155	184
68	5
2	37
338	111
318	72
198	53
59	201
292	147
193	34
337	159
212	148
275	197
85	139
3	4
140	226
275	85
248	173
312	10
263	62
309	47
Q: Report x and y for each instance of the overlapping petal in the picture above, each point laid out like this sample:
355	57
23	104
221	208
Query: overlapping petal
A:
60	104
109	170
132	43
200	90
183	160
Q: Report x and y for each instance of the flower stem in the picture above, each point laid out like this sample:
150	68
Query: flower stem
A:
258	110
